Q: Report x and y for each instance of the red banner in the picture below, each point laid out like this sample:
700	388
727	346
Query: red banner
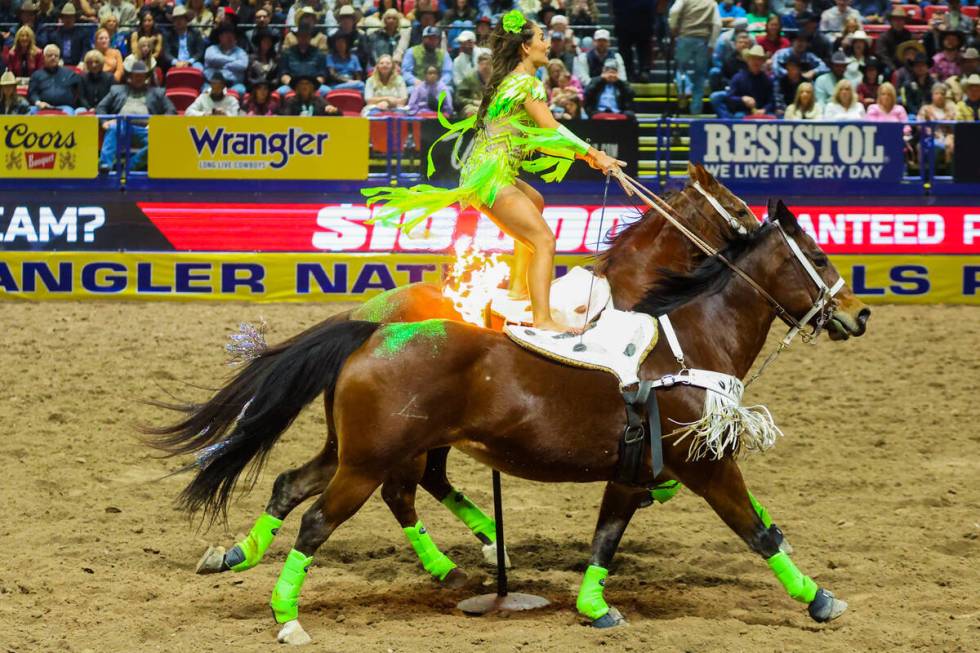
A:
578	228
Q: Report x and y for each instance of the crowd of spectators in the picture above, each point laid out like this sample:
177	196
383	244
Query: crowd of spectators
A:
795	59
257	56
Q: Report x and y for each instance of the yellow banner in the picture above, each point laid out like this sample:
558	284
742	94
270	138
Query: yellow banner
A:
291	277
49	146
267	147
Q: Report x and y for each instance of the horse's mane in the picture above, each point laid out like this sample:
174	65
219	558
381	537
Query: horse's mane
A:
709	277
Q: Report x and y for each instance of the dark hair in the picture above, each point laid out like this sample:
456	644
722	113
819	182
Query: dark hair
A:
506	52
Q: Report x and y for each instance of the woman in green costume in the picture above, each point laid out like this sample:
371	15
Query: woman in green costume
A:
513	121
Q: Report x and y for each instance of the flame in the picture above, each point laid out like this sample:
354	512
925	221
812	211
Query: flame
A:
473	279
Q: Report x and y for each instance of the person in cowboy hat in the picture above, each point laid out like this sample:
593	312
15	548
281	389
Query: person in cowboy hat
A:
226	56
215	101
264	61
750	91
871	79
946	63
886	49
306	18
969	64
825	84
968	109
11	104
184	47
305	101
917	86
260	101
72	41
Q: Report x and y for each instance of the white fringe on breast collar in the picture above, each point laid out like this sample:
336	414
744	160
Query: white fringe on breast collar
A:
725	425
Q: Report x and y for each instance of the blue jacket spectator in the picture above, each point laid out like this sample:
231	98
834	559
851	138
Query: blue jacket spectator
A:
811	64
343	67
227	56
750	91
867	8
419	57
729	12
302	60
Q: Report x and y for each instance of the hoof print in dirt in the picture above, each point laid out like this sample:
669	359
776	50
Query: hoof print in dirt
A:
825	607
611	619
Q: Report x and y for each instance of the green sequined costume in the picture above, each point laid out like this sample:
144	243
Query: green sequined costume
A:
500	149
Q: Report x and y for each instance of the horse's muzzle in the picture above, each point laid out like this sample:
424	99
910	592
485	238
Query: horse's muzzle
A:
843	325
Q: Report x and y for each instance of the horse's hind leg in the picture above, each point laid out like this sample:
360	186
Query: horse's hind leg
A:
398	492
723	488
436	482
291	488
344	496
619	503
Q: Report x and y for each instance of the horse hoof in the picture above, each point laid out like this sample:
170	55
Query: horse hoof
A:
455	579
825	607
490	555
292	633
611	619
212	562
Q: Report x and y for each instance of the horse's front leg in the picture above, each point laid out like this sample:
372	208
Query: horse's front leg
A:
721	485
619	503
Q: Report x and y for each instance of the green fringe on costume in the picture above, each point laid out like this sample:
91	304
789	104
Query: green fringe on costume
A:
500	149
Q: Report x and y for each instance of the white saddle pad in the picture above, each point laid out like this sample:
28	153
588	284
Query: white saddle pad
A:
569	299
618	343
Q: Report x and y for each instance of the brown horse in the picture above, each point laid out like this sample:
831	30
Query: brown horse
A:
634	262
386	416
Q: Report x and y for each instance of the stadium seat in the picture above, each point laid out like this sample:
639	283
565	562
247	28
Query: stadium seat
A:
932	10
917	29
972	11
233	93
22	91
50	112
873	30
914	12
608	116
182	97
190	78
760	116
349	102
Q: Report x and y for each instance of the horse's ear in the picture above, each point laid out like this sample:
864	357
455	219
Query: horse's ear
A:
707	179
784	216
772	206
692	171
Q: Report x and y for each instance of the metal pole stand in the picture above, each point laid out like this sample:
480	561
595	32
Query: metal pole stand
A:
502	601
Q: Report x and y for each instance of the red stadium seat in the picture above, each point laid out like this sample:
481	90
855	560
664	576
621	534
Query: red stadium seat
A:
971	12
608	116
917	29
50	112
408	6
759	116
22	91
932	10
233	93
182	97
914	12
872	29
349	101
190	78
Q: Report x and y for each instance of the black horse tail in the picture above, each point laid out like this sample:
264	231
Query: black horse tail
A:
242	421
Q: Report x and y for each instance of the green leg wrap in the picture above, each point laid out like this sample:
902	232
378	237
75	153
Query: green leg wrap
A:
285	596
467	512
590	601
761	511
665	491
257	543
800	587
435	561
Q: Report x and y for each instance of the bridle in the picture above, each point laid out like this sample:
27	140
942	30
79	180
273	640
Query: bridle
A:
823	306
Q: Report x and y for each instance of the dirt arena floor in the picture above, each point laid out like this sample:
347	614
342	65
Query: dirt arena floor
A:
877	485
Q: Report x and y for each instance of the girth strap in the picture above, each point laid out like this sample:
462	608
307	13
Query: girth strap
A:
641	406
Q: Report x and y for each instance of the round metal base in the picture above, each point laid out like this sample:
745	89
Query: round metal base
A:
514	602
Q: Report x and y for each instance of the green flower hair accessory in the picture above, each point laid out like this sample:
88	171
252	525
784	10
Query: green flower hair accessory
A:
514	21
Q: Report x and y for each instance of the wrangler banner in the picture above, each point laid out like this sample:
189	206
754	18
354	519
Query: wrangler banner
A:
217	147
49	147
354	277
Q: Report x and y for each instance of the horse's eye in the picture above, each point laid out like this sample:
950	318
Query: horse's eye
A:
820	260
